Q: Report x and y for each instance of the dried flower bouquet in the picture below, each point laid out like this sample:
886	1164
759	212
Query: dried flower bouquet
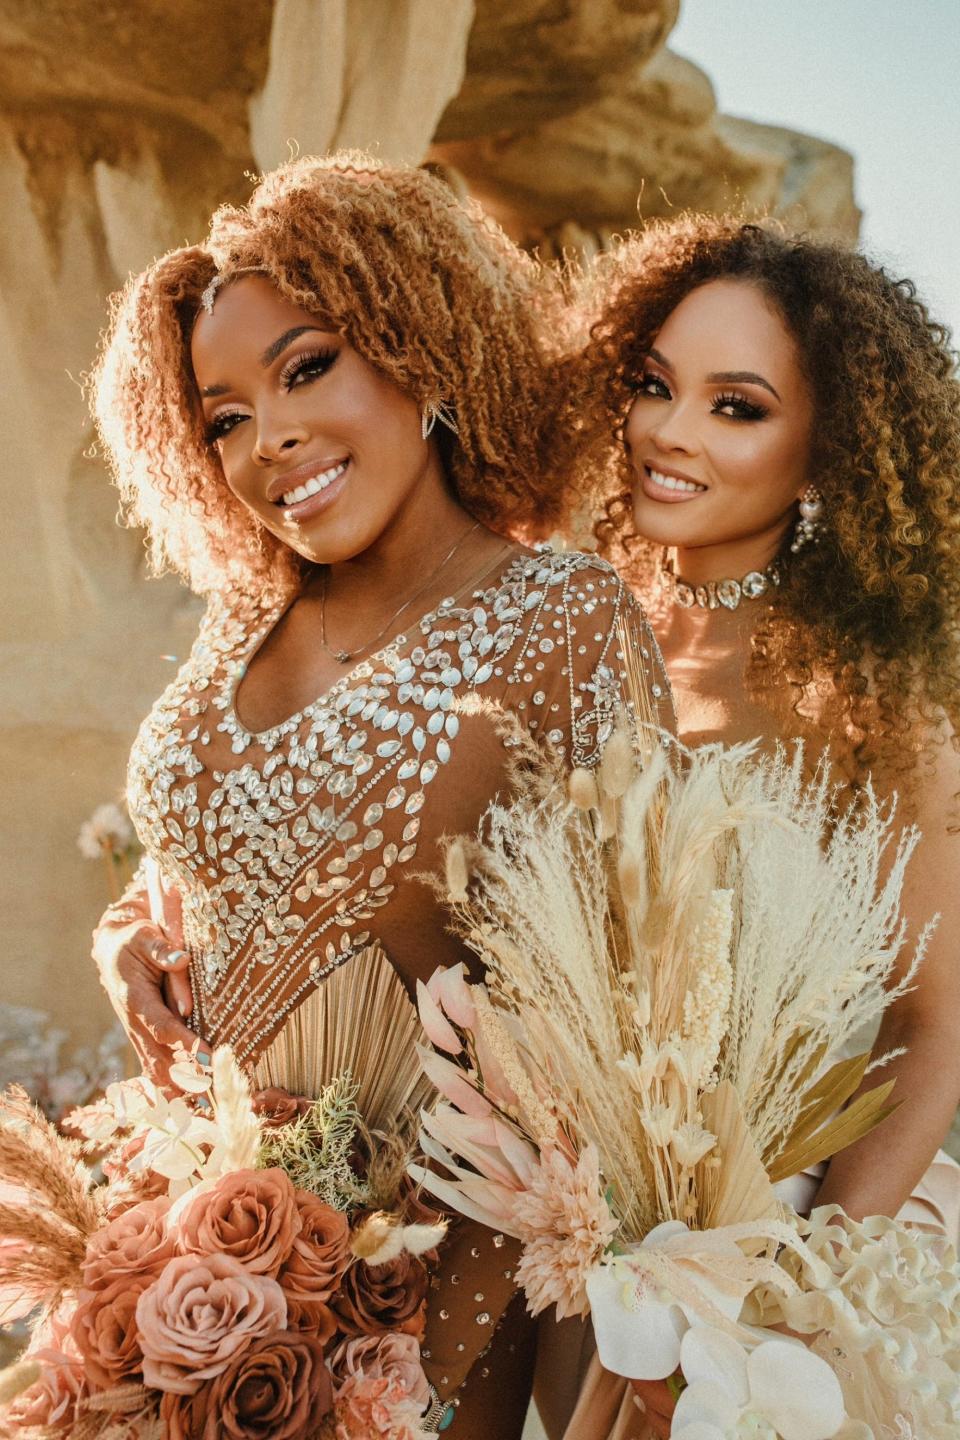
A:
236	1277
674	959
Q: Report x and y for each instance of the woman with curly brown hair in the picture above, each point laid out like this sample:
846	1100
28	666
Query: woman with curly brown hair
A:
330	418
784	496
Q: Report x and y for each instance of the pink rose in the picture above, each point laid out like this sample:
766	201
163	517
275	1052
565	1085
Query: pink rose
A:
320	1253
250	1215
277	1389
198	1315
135	1242
391	1357
52	1400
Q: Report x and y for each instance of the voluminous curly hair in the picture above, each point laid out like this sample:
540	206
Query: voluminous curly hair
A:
874	607
425	288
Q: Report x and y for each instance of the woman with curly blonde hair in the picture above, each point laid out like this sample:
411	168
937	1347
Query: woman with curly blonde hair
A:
332	418
783	493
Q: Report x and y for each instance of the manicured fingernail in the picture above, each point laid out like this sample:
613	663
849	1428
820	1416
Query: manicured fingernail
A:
173	957
203	1103
182	1007
203	1057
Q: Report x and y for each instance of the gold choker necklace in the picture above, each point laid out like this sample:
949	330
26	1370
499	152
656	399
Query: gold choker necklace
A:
714	594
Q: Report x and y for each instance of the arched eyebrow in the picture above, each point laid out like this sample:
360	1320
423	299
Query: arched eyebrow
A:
209	392
740	377
721	377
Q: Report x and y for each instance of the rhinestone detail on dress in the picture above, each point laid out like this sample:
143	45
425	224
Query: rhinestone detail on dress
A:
286	843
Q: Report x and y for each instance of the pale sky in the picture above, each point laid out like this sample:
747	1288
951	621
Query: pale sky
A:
879	77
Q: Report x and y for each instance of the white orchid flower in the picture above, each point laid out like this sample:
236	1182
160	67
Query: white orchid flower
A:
638	1326
778	1391
173	1135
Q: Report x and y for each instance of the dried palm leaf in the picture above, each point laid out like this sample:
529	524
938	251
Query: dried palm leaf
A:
858	1119
742	1189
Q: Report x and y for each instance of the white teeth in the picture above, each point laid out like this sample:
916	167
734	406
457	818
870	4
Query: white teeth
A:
313	486
670	482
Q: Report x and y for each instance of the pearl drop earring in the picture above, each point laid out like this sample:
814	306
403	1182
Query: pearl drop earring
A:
811	522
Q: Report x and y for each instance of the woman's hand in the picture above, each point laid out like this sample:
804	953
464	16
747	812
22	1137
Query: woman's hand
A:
143	969
658	1404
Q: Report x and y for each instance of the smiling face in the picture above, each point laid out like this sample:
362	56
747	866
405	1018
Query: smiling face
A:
719	433
324	450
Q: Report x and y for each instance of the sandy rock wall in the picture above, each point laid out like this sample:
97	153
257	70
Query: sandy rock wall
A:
121	127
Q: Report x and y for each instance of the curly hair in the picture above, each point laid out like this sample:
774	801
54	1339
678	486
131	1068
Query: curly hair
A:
874	606
425	288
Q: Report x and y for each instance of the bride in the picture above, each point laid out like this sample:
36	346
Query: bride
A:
329	417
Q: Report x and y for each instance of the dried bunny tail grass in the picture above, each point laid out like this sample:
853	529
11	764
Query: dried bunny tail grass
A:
17	1378
238	1124
35	1157
457	871
617	763
582	789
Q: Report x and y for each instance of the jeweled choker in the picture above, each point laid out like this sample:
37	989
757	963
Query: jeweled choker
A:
717	594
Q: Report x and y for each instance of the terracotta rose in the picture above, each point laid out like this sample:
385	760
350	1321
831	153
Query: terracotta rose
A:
316	1318
320	1253
375	1298
279	1388
250	1215
199	1313
104	1330
135	1242
277	1107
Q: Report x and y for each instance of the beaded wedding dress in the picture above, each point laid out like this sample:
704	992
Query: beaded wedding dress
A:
299	850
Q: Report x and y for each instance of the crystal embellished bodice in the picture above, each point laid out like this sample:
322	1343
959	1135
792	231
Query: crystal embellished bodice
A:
292	847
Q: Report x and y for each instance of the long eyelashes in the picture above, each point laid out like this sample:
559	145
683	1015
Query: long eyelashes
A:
738	407
311	365
300	370
730	403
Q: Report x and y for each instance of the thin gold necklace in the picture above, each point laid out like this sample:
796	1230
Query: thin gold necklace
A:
343	657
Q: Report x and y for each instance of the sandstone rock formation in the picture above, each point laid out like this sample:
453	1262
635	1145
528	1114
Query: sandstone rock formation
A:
121	127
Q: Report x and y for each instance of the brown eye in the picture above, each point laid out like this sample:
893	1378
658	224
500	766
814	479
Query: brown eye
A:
738	407
650	384
304	368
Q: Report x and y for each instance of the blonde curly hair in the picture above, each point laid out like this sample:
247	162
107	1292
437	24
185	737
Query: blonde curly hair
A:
875	605
424	287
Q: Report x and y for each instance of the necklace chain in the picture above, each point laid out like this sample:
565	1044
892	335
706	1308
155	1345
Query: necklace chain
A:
718	594
343	657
